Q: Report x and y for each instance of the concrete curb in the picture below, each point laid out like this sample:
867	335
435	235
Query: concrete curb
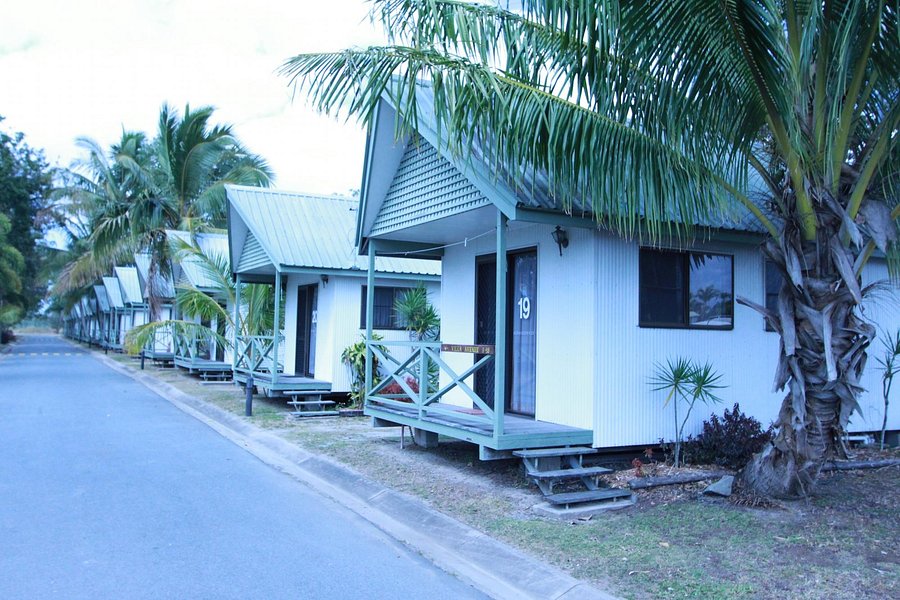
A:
492	567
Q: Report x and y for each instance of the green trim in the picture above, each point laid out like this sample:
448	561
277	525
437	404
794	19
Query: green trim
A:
399	249
505	200
236	323
364	186
502	442
500	330
550	217
370	318
277	330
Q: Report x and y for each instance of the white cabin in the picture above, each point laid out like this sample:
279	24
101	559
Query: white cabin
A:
304	245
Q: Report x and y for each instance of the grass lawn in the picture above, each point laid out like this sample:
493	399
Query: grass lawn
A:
842	543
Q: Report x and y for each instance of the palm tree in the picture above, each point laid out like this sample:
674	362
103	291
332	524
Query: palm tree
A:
662	113
97	194
137	192
193	163
257	303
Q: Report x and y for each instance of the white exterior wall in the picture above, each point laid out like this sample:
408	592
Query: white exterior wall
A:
883	308
594	363
566	291
628	411
337	322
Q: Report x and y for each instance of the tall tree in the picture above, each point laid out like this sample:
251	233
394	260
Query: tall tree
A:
131	195
26	212
661	113
98	192
257	302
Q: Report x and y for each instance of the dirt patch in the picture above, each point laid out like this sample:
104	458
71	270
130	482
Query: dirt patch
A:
674	543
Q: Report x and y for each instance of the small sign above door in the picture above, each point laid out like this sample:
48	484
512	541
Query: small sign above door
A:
468	348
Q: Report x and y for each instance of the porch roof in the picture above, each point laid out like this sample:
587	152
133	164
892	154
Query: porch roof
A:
213	245
113	292
130	285
87	306
271	230
102	298
526	196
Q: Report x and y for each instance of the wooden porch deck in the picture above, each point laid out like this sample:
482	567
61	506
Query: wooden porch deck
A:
283	383
160	356
518	432
202	365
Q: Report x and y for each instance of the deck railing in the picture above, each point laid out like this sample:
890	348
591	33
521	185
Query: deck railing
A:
254	354
161	340
416	381
186	346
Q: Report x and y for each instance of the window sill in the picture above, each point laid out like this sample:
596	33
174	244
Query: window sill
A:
680	326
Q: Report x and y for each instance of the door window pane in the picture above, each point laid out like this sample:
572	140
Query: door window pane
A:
523	276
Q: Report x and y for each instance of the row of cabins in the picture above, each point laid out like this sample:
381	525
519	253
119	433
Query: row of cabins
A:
299	244
551	327
110	309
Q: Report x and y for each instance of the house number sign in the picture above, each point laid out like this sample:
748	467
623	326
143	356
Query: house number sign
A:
524	308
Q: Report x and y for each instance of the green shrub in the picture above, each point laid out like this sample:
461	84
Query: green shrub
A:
729	441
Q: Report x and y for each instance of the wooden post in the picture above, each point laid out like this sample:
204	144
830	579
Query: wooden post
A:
276	327
370	309
500	330
423	380
236	323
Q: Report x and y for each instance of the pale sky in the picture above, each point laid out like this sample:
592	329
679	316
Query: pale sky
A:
91	67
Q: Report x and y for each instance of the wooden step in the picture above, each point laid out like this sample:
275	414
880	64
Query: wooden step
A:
572	473
311	402
548	452
304	392
315	413
587	496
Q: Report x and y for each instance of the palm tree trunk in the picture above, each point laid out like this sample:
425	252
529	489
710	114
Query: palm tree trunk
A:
822	356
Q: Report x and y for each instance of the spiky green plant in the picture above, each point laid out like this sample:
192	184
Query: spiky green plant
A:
686	382
417	314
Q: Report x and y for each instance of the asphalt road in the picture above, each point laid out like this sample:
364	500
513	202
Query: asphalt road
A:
108	491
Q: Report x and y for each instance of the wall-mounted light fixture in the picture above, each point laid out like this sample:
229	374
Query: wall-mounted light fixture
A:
324	279
561	237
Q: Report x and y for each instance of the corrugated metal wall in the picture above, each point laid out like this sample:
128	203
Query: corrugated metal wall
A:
628	411
337	322
564	312
883	307
253	255
426	185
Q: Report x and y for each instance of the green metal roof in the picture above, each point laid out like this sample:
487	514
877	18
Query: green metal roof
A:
389	204
271	229
212	245
113	292
130	285
102	298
